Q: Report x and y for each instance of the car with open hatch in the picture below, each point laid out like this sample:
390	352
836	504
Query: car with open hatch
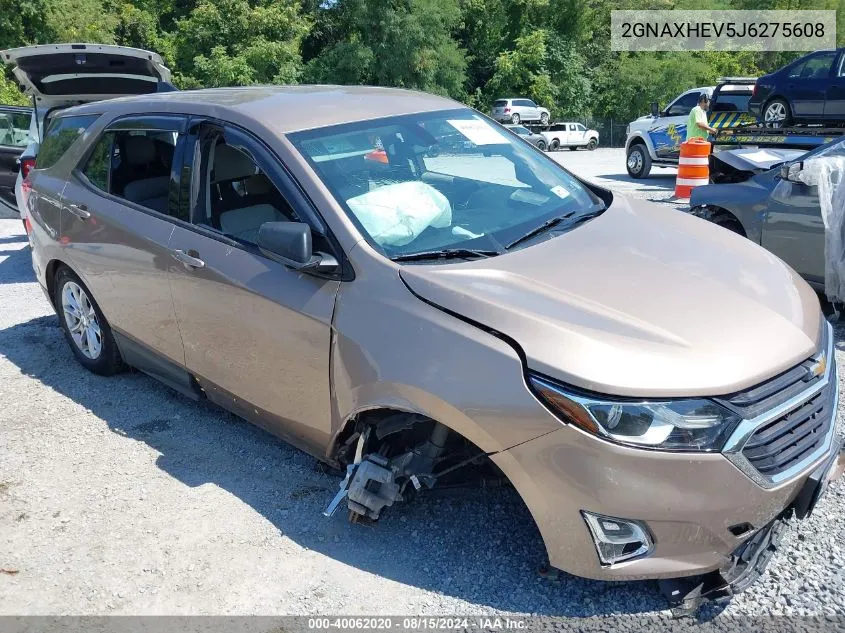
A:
403	289
57	76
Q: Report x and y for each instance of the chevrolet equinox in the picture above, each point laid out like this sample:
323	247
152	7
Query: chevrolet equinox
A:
401	288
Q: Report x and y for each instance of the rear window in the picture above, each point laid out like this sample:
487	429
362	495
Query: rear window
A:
501	103
732	102
60	135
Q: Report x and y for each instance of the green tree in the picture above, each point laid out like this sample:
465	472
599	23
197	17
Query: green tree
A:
404	43
237	42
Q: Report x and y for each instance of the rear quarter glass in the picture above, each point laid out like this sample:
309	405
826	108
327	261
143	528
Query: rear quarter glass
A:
61	134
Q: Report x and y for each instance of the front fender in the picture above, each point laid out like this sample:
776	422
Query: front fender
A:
747	201
391	349
639	136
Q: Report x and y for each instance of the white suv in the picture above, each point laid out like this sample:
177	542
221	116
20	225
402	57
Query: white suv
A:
518	111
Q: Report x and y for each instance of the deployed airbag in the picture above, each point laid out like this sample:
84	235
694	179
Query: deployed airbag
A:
396	214
826	170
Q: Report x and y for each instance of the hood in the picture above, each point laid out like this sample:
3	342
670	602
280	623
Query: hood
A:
757	160
58	75
640	301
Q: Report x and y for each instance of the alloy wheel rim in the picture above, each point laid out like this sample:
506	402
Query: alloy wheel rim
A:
775	112
81	320
635	161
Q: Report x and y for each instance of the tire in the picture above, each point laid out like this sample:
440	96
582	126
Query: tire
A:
541	145
728	222
554	145
515	118
777	113
544	118
72	299
638	162
592	144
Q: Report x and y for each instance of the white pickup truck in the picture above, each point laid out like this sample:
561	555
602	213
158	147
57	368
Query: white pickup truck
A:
571	135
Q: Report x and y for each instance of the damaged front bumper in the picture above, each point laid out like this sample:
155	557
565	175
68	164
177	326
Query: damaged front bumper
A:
749	560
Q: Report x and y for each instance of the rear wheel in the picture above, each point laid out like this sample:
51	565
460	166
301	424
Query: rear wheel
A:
777	113
555	145
515	118
544	118
84	325
638	162
541	145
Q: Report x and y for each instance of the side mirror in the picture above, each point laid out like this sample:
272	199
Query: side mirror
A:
655	109
791	171
289	243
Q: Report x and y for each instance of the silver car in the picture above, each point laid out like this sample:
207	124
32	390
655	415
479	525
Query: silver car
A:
519	110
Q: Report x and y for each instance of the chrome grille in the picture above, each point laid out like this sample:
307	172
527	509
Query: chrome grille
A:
786	441
788	421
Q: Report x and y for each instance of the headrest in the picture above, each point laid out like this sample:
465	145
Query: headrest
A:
140	150
258	185
231	164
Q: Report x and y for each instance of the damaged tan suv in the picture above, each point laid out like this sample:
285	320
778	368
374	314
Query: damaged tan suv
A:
398	286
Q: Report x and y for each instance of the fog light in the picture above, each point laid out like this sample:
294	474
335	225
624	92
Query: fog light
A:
618	540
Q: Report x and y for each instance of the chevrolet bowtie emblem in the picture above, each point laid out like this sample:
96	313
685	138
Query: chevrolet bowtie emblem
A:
819	368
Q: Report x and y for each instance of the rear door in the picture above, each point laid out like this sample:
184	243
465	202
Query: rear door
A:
119	211
807	85
834	106
257	334
14	137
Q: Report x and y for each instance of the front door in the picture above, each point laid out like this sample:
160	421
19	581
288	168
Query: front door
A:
117	219
257	334
669	130
14	137
793	229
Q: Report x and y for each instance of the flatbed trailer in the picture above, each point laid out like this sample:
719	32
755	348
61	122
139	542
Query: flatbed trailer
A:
799	137
758	149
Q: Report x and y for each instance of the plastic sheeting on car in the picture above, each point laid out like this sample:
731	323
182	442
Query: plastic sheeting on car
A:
396	214
826	171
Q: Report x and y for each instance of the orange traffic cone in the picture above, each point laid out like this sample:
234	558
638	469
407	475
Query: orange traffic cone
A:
693	166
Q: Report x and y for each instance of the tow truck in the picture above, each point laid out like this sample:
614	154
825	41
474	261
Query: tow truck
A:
655	140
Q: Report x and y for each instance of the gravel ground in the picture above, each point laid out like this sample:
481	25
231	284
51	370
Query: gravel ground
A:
118	496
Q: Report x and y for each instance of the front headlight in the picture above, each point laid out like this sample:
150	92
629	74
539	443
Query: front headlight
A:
693	424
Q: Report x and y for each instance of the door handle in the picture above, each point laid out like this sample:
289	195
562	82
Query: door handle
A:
187	258
79	210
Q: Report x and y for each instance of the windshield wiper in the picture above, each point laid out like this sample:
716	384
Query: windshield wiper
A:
552	222
539	229
445	253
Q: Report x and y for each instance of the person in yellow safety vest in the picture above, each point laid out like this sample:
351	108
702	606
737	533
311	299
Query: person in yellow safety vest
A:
697	126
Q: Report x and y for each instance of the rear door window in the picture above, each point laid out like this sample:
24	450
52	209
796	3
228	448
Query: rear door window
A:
136	164
60	135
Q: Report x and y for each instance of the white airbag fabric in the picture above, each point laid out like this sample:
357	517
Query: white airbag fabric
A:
396	214
826	171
